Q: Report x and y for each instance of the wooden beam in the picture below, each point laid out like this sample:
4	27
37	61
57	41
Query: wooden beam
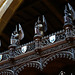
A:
4	6
9	13
54	10
2	2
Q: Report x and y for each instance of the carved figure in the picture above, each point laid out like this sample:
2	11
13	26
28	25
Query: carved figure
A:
40	26
17	36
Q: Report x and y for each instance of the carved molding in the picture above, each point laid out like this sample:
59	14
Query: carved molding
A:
7	72
48	52
35	64
57	55
41	64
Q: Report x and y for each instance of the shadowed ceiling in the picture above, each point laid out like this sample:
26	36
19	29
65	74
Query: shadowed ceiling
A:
27	15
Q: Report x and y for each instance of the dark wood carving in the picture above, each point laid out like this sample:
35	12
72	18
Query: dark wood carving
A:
40	51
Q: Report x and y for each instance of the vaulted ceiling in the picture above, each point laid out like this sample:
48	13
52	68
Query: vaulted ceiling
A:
27	15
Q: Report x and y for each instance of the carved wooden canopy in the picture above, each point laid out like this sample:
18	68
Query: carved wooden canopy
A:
56	49
38	56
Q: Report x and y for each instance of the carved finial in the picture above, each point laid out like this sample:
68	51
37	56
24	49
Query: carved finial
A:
21	33
70	7
65	11
62	73
68	21
16	29
68	16
20	27
43	18
44	24
38	20
71	11
35	23
17	36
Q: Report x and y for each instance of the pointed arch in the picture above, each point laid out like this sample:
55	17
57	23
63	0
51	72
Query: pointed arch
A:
63	54
34	64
